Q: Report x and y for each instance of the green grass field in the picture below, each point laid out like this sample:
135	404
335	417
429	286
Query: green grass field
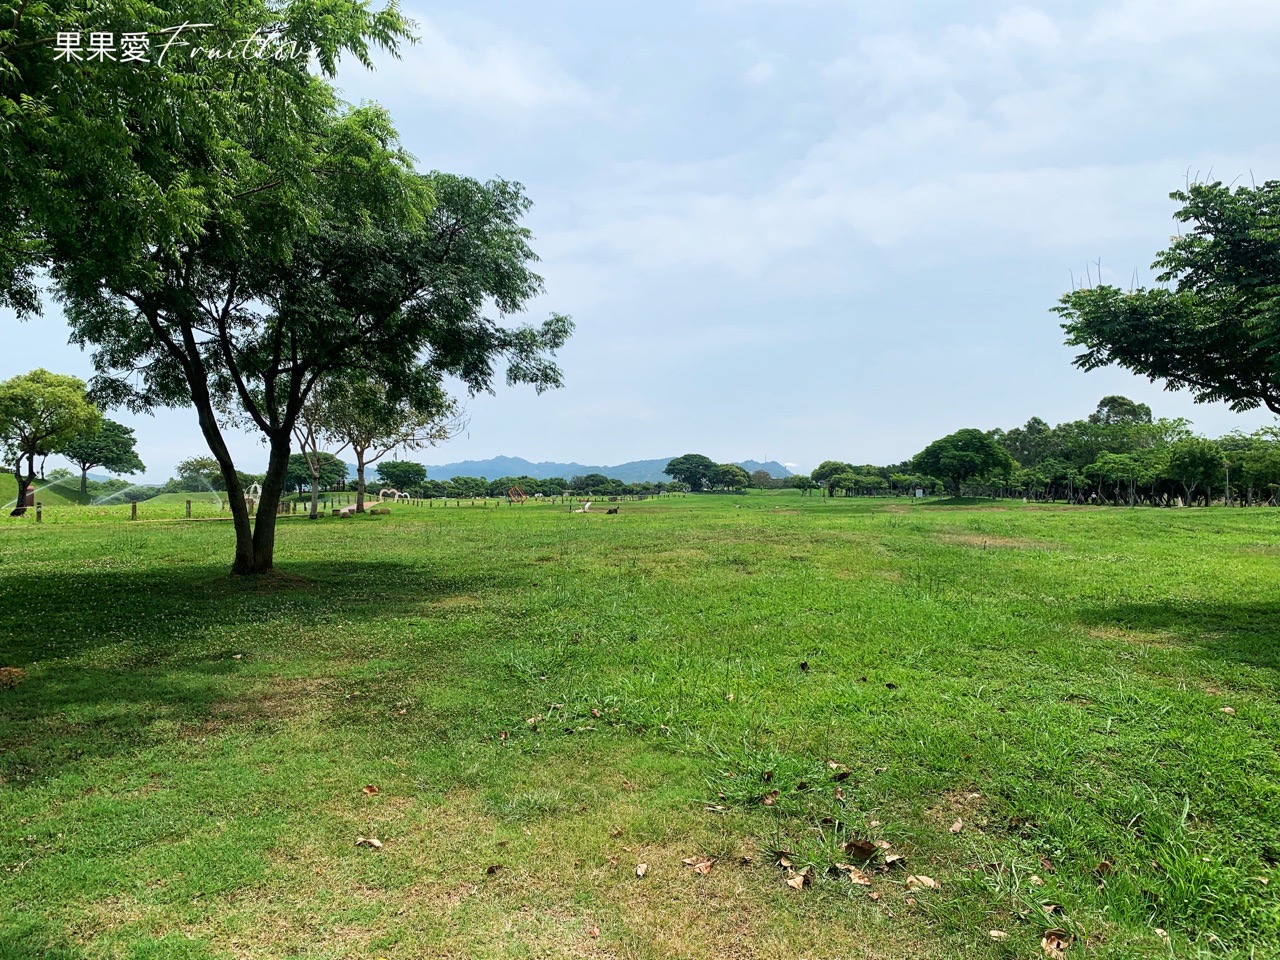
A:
1066	718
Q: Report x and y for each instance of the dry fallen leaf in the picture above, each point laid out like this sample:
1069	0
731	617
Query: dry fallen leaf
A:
891	858
861	849
641	869
593	932
704	867
957	826
494	869
616	833
855	875
1035	881
690	861
798	881
1104	868
1054	943
998	935
369	789
1229	710
1046	865
921	882
595	713
770	798
372	843
873	895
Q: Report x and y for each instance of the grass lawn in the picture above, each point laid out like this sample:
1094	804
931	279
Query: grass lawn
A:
1065	719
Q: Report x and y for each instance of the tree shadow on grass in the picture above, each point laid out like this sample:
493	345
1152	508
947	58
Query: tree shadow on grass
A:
1242	633
122	659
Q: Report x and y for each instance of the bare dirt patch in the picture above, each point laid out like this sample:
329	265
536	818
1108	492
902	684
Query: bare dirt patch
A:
1141	637
991	541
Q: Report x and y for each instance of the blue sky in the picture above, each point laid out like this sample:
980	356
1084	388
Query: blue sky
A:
806	229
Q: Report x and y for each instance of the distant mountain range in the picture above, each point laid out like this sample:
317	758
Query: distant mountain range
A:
637	471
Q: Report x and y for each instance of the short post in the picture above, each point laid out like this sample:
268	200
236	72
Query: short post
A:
133	509
188	509
39	511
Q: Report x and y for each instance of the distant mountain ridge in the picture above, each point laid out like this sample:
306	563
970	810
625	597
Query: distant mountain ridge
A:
636	471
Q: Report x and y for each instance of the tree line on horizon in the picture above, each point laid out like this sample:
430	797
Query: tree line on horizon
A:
1119	454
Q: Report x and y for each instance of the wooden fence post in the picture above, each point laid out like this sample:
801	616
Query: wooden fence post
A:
39	512
188	509
133	510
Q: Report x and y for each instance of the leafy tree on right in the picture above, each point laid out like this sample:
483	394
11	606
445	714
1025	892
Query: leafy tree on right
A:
1212	328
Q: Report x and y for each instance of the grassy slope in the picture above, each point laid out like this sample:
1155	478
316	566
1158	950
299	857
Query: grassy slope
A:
181	774
62	493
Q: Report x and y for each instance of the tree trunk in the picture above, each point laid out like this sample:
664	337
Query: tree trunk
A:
23	481
359	452
84	481
264	526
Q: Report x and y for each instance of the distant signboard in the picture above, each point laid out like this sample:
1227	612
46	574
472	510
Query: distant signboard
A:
919	492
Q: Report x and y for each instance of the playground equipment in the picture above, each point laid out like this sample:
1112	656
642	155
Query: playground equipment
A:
516	495
392	494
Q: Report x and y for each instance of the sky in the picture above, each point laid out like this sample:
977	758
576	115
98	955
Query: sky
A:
803	230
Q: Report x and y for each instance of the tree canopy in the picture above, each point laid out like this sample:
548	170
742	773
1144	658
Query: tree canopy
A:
964	455
111	447
403	475
1214	326
693	470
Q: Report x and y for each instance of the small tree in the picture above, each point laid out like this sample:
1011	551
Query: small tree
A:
40	413
373	418
730	476
111	448
1196	463
805	485
199	473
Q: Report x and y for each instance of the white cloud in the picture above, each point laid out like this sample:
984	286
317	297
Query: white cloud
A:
486	73
967	142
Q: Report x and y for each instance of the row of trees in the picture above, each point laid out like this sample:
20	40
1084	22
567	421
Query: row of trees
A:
411	478
1119	454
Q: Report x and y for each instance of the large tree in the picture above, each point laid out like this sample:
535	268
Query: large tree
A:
400	294
826	470
40	412
962	456
693	469
111	448
402	475
1214	326
245	235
